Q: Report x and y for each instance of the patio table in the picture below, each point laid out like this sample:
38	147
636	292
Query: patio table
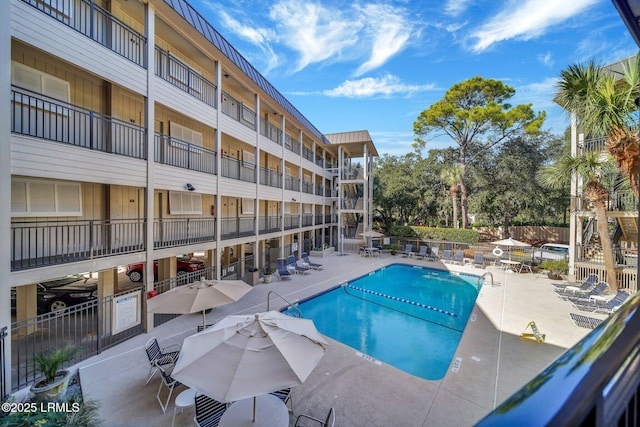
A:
270	412
510	265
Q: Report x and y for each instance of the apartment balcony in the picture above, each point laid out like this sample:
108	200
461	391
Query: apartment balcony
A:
307	220
237	227
307	186
238	111
291	183
271	178
617	201
319	190
269	224
291	222
331	219
352	173
624	258
174	71
307	153
589	145
319	160
319	219
238	169
99	25
270	131
173	232
174	152
291	144
41	243
46	118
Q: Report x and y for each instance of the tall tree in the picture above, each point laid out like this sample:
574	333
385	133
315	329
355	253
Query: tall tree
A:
475	114
591	168
451	177
604	101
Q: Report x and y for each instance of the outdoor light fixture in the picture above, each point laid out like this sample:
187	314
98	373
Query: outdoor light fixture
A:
225	75
190	187
293	199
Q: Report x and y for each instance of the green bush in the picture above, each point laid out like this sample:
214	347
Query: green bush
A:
461	235
557	266
402	231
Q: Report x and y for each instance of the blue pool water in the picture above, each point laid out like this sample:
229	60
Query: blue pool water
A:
408	317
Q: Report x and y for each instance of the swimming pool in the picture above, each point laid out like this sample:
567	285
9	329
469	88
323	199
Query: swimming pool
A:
410	317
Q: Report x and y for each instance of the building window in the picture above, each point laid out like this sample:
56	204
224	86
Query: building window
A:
183	203
36	198
36	81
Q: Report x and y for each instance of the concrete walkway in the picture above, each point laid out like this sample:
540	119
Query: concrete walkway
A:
490	364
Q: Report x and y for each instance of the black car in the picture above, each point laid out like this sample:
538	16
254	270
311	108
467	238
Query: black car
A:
58	294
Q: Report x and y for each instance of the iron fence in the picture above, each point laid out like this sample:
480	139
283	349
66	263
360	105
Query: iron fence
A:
174	152
237	169
46	118
291	183
271	178
3	387
291	144
237	227
238	111
172	232
174	71
269	224
270	131
40	243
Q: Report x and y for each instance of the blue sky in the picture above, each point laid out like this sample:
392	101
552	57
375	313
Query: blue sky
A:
375	65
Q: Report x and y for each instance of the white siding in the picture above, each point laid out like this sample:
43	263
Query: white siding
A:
237	130
178	100
270	147
175	179
235	188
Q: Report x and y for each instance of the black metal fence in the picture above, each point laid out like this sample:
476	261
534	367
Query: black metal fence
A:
3	388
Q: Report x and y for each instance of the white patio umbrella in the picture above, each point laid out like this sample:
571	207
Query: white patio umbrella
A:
198	296
248	355
510	243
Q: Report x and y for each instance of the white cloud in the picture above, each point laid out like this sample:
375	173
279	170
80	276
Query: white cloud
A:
370	87
525	20
393	143
546	59
456	7
540	94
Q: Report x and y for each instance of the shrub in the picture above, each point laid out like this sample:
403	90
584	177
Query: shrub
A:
556	266
461	235
402	231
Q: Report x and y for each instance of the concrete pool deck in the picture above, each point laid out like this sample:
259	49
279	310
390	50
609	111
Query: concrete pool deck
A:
490	363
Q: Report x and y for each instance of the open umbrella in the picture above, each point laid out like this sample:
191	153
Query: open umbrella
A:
510	243
198	296
248	355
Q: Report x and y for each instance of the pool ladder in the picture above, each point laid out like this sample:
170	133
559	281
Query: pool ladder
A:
482	277
289	305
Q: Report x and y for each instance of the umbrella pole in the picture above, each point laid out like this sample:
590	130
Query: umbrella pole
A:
204	320
254	409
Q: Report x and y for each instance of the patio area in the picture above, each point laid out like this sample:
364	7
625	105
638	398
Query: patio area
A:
491	361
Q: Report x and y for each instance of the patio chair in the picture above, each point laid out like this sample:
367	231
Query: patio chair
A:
314	265
525	267
208	411
608	308
478	259
285	396
447	256
458	258
408	251
283	271
329	421
297	268
589	283
170	383
586	297
160	357
422	254
433	255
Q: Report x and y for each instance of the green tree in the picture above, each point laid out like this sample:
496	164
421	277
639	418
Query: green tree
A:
450	174
475	114
591	168
604	102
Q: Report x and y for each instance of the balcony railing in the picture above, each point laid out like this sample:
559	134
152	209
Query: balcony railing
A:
319	160
291	222
594	254
237	169
238	111
291	183
40	117
237	227
597	145
174	152
179	74
319	219
96	23
41	243
307	153
270	131
307	220
291	144
307	186
319	190
269	224
271	178
617	201
172	232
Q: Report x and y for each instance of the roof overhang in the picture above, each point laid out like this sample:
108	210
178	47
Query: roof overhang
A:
629	11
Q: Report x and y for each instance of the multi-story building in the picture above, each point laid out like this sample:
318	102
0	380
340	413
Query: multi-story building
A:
134	133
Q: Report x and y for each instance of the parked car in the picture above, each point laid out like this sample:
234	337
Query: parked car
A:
56	295
186	264
551	251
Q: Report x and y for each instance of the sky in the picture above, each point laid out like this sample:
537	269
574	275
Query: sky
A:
375	65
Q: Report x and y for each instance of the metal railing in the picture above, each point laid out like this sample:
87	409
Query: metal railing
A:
87	326
307	220
96	23
237	227
172	232
291	144
291	183
594	253
307	186
174	152
238	169
595	383
319	190
238	111
592	145
41	243
3	387
269	224
617	201
176	72
270	177
307	153
41	117
291	221
270	131
319	160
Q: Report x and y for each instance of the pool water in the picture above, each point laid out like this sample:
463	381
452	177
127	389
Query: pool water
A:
406	316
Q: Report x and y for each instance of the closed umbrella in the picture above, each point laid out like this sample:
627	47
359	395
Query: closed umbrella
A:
248	355
510	243
198	296
369	234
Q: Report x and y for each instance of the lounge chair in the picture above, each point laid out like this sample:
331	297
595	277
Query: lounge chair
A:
447	256
169	382
608	307
433	255
586	297
458	258
208	411
283	271
311	264
295	267
422	254
408	251
160	357
329	421
285	396
589	283
478	259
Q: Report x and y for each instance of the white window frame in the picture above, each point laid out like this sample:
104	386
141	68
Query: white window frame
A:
58	188
248	207
185	203
287	207
248	158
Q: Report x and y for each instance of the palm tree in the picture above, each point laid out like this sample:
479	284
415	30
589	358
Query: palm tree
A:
451	176
591	168
604	103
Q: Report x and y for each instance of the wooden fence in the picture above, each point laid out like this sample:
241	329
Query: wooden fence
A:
526	233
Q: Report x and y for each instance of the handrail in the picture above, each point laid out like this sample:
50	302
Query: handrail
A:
481	277
289	305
